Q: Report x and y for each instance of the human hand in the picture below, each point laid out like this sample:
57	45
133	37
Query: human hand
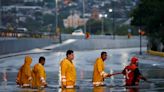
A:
109	75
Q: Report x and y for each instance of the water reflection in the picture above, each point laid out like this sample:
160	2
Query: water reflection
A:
4	75
82	74
4	78
4	85
132	90
67	90
33	90
112	77
99	89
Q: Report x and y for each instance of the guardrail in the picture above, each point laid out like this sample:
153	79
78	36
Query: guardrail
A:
27	35
13	35
69	36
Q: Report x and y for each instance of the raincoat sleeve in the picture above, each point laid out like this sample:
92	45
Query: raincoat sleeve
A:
138	75
42	74
123	72
100	68
63	72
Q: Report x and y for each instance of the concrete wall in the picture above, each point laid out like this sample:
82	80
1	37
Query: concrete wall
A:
69	36
18	45
95	44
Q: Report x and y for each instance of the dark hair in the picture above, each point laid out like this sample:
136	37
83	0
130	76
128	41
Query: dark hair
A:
41	59
69	52
102	53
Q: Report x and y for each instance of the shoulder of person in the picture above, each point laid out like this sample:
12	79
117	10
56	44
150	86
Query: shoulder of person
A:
99	59
64	61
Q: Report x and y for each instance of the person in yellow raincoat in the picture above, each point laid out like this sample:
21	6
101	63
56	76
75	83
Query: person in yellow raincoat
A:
68	71
98	73
39	74
24	77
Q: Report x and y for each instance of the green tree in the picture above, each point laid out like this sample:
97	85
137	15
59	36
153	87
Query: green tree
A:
149	16
94	26
48	19
33	25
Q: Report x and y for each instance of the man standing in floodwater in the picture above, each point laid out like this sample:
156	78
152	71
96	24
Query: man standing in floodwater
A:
39	74
98	73
68	71
132	73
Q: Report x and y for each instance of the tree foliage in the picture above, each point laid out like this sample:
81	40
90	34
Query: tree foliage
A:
95	26
149	16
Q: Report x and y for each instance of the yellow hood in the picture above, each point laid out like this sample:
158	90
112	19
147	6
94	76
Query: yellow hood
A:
28	60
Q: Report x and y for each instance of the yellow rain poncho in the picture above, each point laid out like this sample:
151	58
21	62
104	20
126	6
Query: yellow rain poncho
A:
68	73
98	72
24	76
39	76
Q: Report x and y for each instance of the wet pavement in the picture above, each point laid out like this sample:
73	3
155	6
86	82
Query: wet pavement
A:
84	60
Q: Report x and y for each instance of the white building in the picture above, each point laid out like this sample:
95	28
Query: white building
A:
74	21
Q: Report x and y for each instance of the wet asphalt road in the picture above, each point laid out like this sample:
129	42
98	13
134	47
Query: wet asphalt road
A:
84	60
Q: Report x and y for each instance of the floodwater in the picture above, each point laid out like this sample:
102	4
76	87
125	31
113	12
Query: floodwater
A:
84	61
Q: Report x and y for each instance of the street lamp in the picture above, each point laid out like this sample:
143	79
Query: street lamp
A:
56	26
0	14
113	10
113	25
84	16
102	16
141	33
110	10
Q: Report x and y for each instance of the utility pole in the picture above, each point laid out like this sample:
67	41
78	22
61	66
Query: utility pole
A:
56	26
84	16
113	5
0	14
140	44
140	34
102	16
102	26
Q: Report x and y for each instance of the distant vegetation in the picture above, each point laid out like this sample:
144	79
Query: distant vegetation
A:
148	15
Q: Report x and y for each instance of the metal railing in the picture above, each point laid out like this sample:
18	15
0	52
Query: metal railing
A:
27	35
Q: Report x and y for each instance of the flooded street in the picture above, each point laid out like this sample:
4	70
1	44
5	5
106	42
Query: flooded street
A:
84	61
130	31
